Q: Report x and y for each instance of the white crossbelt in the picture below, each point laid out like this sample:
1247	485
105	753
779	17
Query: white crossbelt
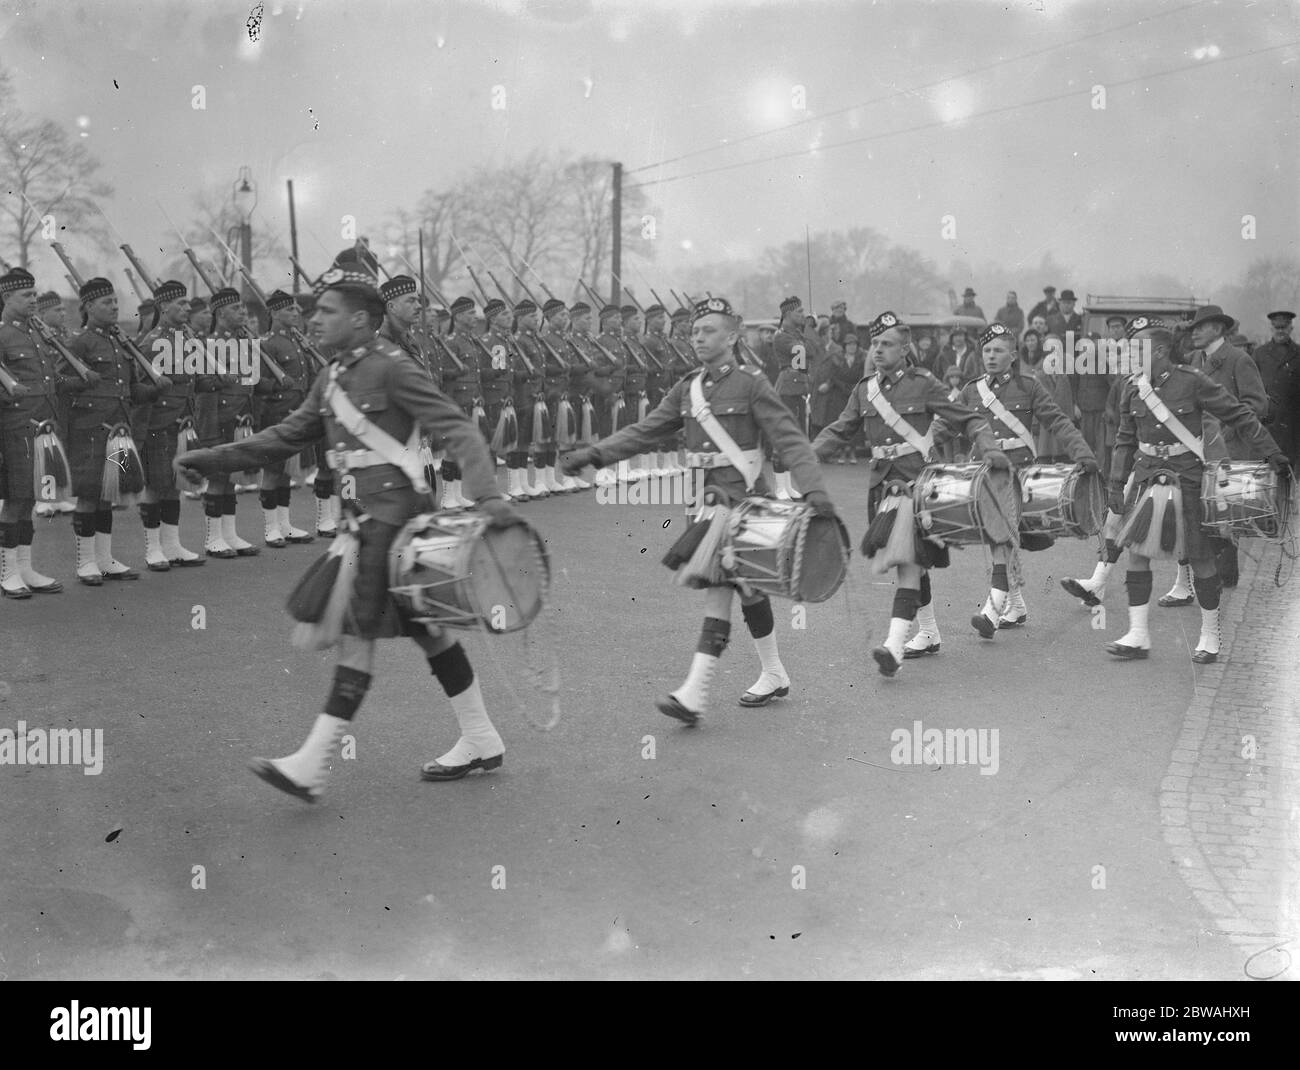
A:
347	459
1164	449
721	460
1013	444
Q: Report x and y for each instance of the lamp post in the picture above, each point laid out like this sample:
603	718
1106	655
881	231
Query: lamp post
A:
245	198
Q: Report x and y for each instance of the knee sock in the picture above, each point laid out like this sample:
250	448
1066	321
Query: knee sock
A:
345	698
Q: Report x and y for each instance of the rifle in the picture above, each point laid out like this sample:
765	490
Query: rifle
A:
627	348
640	308
140	291
295	333
132	350
190	255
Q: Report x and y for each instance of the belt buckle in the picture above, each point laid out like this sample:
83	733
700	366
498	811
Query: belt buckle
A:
888	452
1162	449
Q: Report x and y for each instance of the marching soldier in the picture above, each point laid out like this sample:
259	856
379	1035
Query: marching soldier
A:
278	401
792	384
746	410
157	428
365	366
30	385
1279	368
1162	435
224	407
461	384
896	406
91	413
1012	403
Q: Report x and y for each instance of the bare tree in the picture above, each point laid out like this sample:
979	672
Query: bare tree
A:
39	161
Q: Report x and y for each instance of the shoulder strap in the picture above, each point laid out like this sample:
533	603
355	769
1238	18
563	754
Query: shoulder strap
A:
909	434
1161	412
703	415
360	427
994	404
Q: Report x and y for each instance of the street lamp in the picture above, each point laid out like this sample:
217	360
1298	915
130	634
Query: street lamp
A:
245	198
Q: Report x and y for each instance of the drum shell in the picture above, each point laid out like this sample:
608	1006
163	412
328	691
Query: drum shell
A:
785	550
454	570
1061	500
1244	499
959	504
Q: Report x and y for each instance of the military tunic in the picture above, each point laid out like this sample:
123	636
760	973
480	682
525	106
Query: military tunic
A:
1279	370
157	423
34	364
748	409
108	402
608	376
397	395
1189	395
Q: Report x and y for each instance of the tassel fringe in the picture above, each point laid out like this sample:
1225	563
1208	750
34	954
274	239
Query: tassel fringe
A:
123	475
53	476
320	601
541	424
704	567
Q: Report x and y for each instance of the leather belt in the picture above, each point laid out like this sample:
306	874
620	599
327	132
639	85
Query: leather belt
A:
1012	444
900	449
1163	449
343	460
717	460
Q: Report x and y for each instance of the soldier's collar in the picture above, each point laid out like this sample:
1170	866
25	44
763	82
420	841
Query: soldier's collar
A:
894	376
715	375
998	380
17	322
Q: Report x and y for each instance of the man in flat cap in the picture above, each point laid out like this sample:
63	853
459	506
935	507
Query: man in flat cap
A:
1279	370
277	402
92	414
1046	307
32	386
896	406
747	410
1011	315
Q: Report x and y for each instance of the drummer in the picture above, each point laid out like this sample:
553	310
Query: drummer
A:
896	406
394	394
1013	404
1160	430
741	406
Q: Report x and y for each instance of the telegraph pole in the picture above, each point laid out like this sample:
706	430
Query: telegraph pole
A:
616	268
293	237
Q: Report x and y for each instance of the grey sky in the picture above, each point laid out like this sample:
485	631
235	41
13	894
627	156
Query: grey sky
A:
1158	181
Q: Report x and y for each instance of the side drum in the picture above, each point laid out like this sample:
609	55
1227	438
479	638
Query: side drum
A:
786	550
965	504
1244	499
1062	501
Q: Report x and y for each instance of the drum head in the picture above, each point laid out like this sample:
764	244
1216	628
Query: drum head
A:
508	577
824	562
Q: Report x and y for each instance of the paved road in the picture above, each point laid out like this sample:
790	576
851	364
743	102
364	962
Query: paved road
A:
614	864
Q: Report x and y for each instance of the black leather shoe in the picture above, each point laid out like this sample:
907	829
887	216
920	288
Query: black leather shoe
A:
248	551
159	566
1077	589
326	534
268	772
435	771
1165	602
984	626
1128	653
223	554
909	652
1204	657
276	544
885	661
181	562
129	574
97	580
751	699
1013	622
673	708
53	587
305	537
21	593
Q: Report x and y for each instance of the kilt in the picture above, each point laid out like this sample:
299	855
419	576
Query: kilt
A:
87	446
157	449
17	465
928	553
1198	544
373	614
631	404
